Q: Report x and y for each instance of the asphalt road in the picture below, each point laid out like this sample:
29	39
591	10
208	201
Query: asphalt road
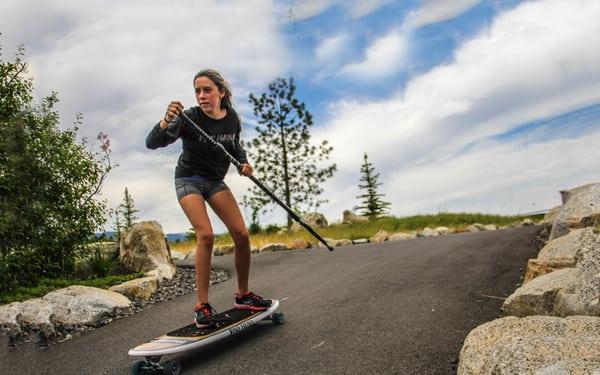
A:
400	307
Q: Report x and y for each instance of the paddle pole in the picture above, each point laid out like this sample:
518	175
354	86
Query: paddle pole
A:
238	165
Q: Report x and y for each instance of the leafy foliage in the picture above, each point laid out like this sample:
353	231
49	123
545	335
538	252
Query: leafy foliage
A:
48	182
101	265
282	151
190	235
372	204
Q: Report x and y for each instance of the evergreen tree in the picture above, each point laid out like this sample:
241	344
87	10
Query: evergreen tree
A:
372	205
128	210
282	151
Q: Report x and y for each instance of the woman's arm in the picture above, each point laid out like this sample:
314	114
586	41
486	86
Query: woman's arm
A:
168	129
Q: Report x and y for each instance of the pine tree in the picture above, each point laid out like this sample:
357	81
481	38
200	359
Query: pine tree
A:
128	210
282	152
372	205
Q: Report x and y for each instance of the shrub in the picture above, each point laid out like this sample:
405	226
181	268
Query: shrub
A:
272	228
48	184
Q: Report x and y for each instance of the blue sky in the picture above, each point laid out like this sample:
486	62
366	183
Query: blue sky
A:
465	105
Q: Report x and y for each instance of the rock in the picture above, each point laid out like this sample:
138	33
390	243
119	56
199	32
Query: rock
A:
349	217
191	254
300	244
534	345
344	242
551	215
380	236
428	232
563	247
490	227
475	228
566	195
538	296
359	241
442	230
273	247
581	209
401	236
10	320
141	288
330	241
539	267
224	250
83	305
144	249
314	219
570	291
176	255
527	223
38	315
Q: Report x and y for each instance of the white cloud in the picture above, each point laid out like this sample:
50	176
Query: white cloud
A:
303	9
525	67
383	57
331	49
433	11
361	8
500	178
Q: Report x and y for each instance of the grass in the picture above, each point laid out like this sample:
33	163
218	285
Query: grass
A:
353	231
47	285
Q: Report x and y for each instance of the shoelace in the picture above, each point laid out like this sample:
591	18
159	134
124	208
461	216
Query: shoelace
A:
207	310
252	296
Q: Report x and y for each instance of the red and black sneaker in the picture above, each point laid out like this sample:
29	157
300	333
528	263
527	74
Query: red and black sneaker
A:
203	314
251	301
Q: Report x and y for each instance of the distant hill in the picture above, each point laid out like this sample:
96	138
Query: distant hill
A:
171	237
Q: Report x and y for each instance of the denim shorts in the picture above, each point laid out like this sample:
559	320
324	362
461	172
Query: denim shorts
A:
198	185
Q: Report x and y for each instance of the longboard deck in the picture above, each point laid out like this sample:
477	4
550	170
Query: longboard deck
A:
190	337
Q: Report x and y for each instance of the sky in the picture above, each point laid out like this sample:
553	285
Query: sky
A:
488	106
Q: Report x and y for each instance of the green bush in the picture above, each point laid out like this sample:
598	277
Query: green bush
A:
254	228
102	265
48	184
272	228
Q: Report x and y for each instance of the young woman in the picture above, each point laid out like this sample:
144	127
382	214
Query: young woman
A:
199	180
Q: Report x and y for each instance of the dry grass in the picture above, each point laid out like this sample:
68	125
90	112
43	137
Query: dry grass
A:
459	221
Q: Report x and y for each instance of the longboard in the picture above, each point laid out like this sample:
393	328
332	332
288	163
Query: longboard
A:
190	337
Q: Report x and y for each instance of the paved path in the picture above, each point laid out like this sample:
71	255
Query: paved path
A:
393	308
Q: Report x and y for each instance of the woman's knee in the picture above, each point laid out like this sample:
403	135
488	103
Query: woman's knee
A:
205	238
240	235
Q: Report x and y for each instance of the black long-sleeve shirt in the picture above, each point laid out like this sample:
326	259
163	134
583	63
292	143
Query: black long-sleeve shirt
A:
199	157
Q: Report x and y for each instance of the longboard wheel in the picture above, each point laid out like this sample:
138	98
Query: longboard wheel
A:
137	368
277	318
172	367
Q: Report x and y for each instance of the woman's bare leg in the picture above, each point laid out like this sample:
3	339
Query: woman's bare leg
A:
195	209
226	207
